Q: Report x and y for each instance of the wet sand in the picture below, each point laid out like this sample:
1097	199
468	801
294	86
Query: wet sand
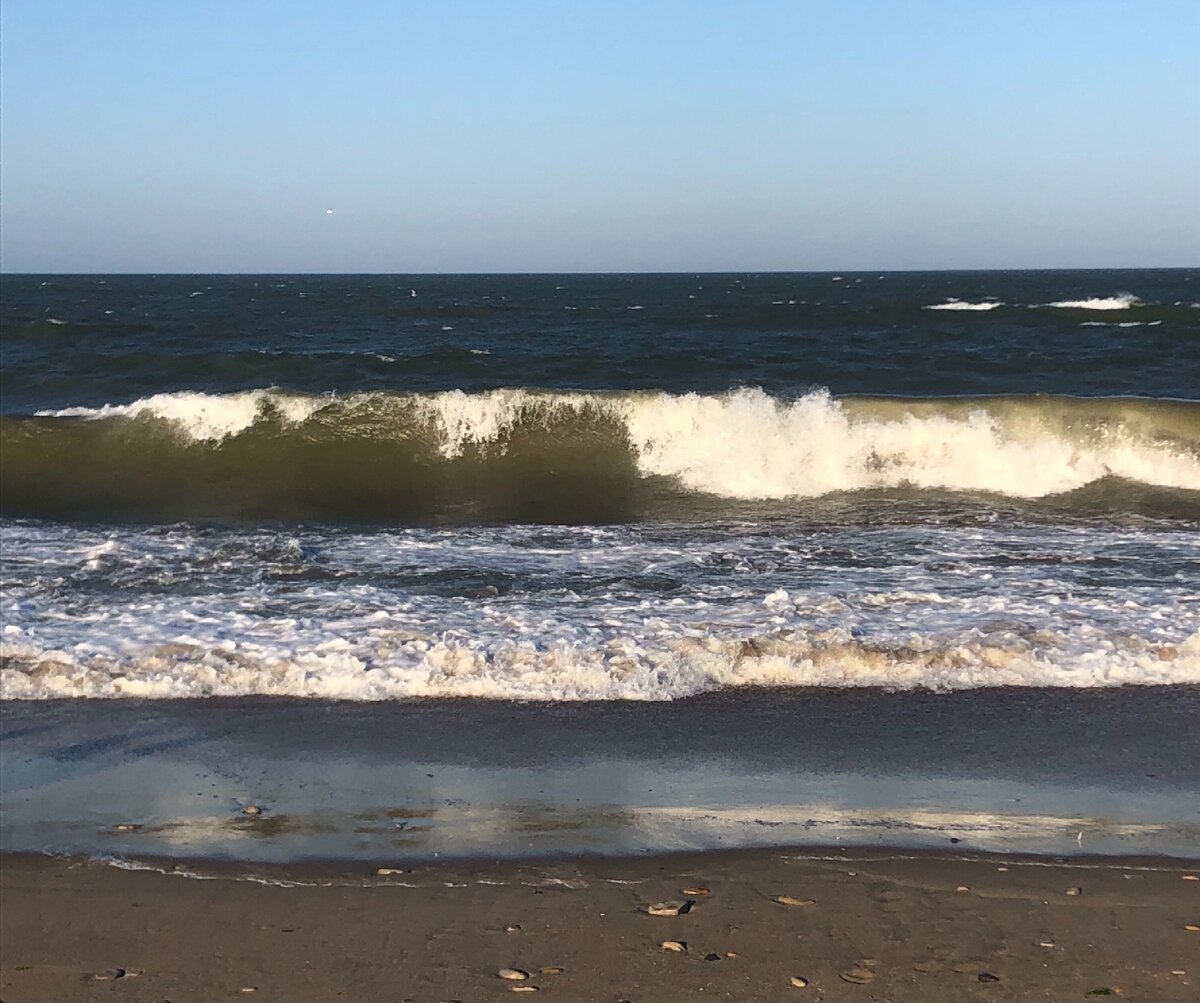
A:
1050	772
913	928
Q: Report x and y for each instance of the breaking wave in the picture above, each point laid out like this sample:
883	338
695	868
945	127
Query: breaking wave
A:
1121	301
537	455
961	305
407	664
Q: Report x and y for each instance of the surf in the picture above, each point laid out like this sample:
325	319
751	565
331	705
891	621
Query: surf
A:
555	455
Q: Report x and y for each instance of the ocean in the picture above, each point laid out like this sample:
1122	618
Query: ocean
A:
529	491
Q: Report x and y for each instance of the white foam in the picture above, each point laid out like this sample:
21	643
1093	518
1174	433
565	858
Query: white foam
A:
621	669
189	612
201	416
954	304
1121	301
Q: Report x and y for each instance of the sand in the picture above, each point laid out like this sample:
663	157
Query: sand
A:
919	927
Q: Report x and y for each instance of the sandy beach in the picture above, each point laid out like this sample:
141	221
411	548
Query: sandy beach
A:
857	928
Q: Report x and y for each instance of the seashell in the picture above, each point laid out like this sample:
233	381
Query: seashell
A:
1075	890
859	976
252	809
699	892
678	946
675	907
791	900
798	981
513	974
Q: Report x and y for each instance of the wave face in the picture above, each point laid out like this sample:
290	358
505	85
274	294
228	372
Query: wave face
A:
562	456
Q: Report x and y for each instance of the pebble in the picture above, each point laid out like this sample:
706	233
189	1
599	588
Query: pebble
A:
676	907
1075	890
252	809
799	981
791	900
712	957
988	977
678	946
513	974
859	976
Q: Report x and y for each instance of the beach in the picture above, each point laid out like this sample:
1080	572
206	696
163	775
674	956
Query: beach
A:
305	850
865	927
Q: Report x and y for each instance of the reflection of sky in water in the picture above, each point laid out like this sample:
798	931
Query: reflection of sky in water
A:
342	807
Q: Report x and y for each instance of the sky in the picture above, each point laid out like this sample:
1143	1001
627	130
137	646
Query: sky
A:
480	136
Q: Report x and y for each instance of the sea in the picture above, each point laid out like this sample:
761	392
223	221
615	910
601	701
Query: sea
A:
603	496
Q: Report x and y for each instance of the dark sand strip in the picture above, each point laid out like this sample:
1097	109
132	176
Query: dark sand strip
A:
920	928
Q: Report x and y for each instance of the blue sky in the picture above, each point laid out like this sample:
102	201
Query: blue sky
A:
643	136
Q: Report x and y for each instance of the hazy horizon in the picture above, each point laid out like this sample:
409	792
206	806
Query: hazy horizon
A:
139	138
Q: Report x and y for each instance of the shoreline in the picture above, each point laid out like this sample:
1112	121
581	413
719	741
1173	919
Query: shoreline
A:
1041	772
861	926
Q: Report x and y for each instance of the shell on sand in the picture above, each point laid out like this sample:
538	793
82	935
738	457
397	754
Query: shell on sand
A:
1076	890
675	907
791	900
678	946
513	974
859	976
798	981
700	891
252	809
551	969
522	989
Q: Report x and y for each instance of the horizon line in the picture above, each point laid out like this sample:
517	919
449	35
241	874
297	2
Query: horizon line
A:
598	272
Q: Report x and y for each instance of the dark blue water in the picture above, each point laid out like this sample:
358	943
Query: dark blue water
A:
91	340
